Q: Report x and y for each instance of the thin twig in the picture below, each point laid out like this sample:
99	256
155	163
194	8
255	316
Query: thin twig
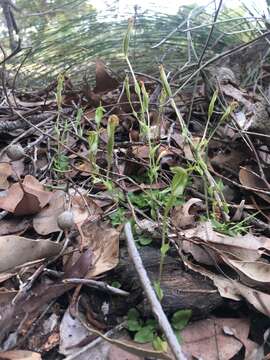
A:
152	297
100	285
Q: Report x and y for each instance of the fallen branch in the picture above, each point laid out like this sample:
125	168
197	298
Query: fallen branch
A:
152	297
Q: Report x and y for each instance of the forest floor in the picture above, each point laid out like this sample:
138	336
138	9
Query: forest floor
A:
139	178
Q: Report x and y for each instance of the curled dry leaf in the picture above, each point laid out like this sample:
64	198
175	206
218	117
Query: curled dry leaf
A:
208	337
26	198
103	240
82	207
17	250
253	273
20	355
234	290
181	216
245	247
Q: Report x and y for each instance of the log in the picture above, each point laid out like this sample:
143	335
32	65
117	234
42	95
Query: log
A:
182	288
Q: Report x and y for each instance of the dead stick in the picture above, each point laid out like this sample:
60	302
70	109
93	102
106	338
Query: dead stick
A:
152	297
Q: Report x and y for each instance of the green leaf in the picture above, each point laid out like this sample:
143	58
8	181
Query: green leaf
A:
179	181
99	115
158	290
133	320
127	37
164	249
143	240
164	80
152	322
159	344
118	217
116	284
59	89
145	97
144	335
180	319
212	104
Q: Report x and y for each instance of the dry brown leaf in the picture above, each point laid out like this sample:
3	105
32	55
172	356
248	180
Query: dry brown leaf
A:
5	172
72	334
232	159
17	250
207	340
20	355
181	216
203	255
238	95
25	199
244	247
45	222
141	151
253	273
103	240
234	290
104	81
82	207
248	178
142	350
41	295
115	353
14	226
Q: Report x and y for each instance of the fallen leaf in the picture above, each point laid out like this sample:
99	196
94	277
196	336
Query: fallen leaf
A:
252	180
234	290
5	172
83	208
208	337
14	226
72	334
40	295
231	158
17	250
245	247
252	273
45	222
181	216
141	152
104	81
26	198
103	240
20	355
115	353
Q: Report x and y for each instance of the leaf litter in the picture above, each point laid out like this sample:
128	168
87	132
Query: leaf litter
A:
113	153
